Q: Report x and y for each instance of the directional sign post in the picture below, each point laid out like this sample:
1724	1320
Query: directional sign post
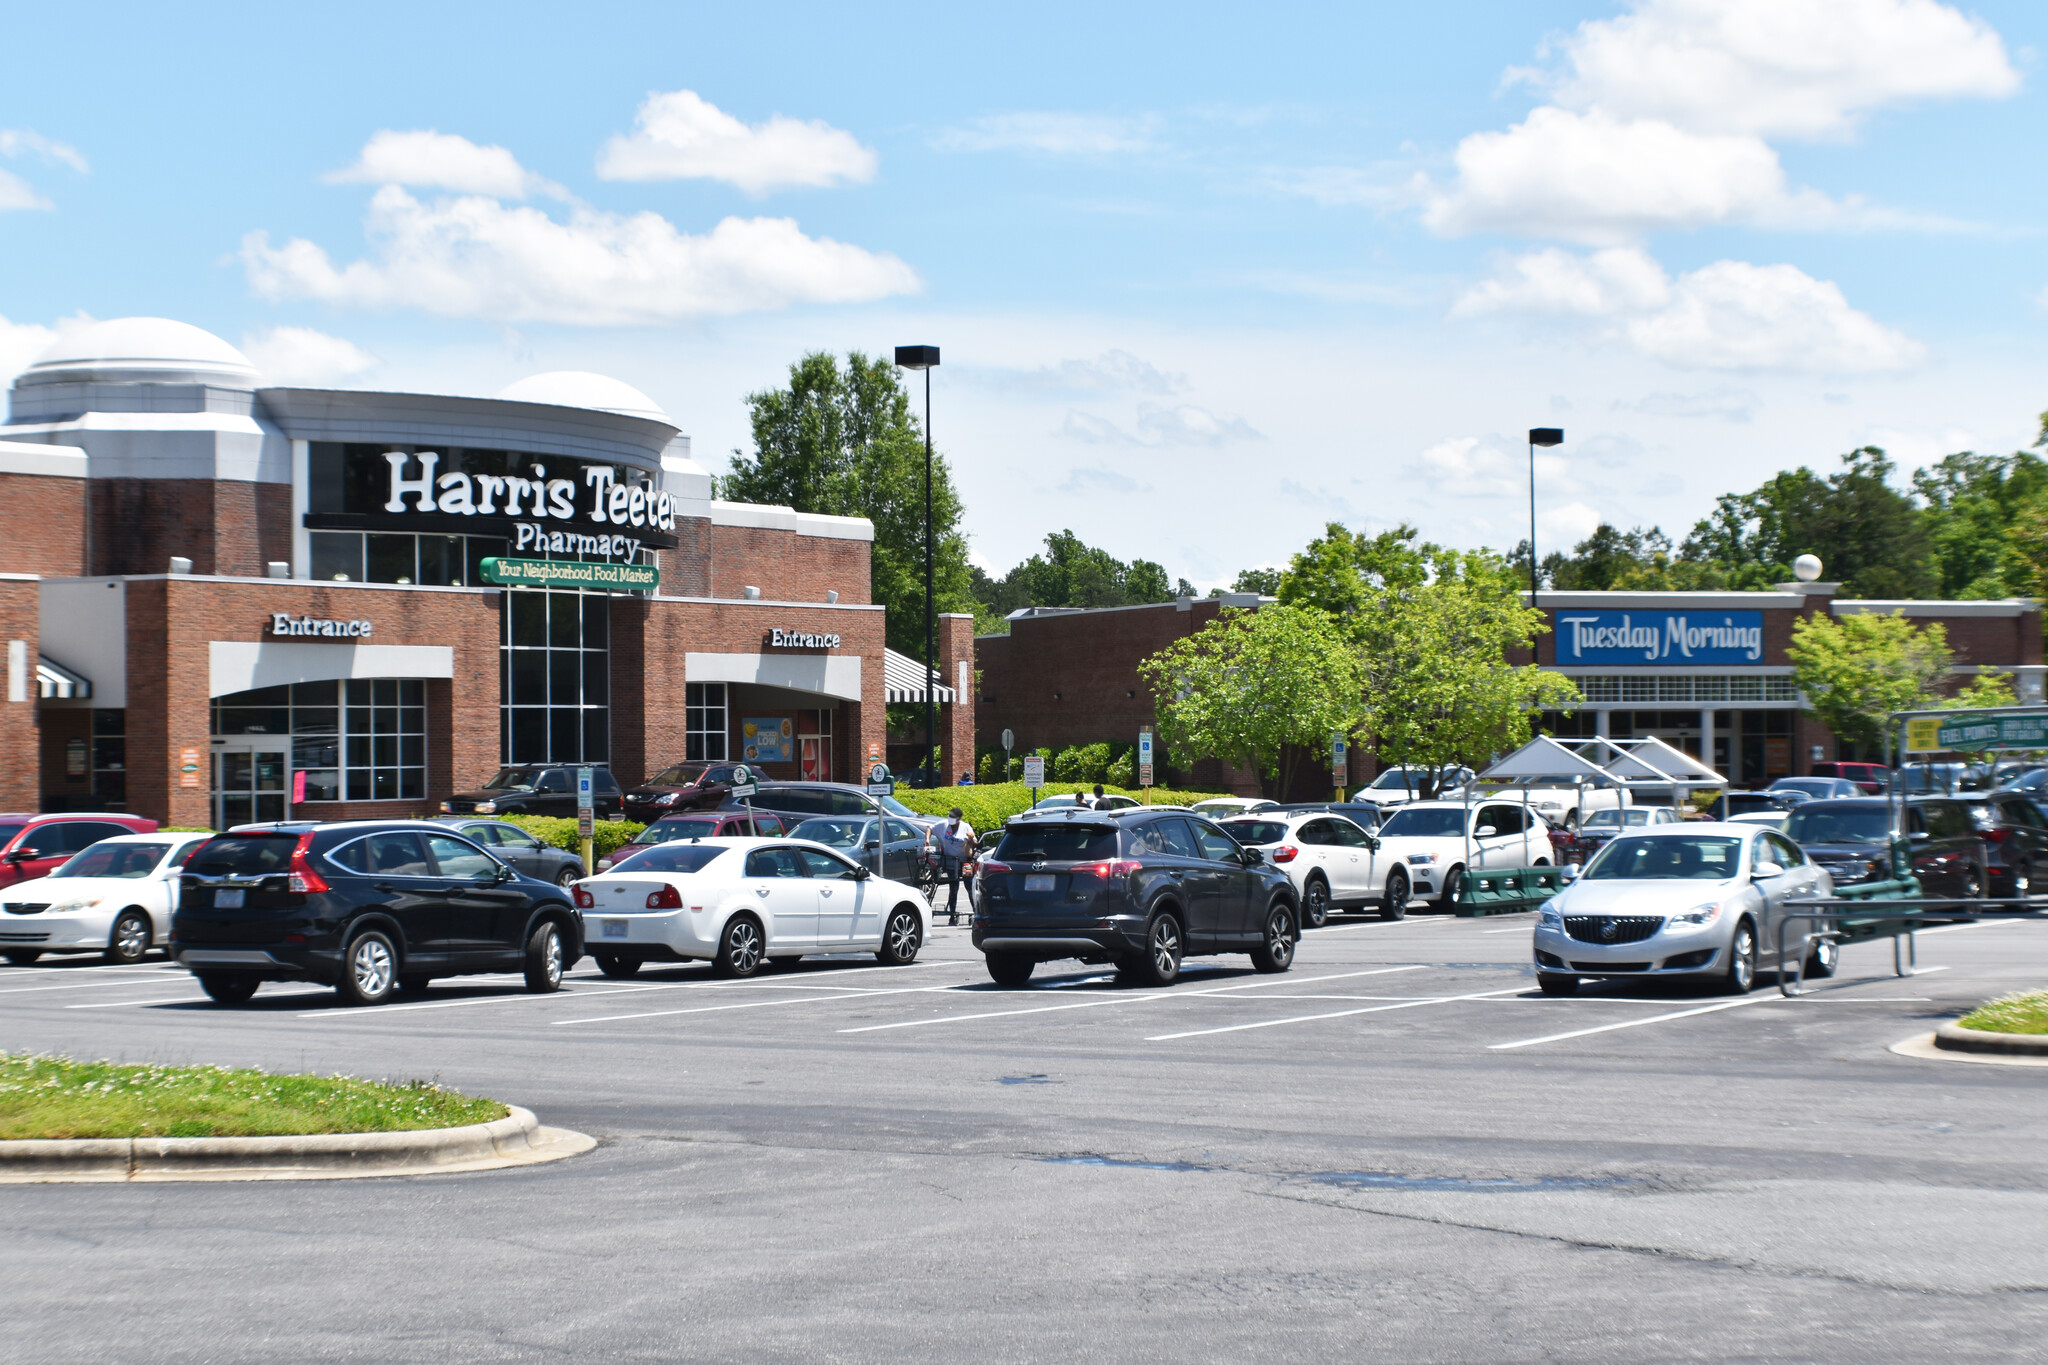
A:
1145	759
1009	743
880	783
745	782
1337	763
1034	775
586	819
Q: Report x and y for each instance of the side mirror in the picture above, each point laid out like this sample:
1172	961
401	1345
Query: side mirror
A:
861	874
1765	871
1484	832
22	855
503	874
1372	842
872	843
1252	857
1570	873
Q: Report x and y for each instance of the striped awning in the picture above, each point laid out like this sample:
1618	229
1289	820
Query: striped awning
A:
904	679
53	680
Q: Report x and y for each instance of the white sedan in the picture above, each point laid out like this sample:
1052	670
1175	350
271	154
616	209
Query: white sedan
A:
114	898
1327	857
741	903
1426	846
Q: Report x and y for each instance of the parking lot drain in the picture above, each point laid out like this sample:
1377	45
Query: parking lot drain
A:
1038	1079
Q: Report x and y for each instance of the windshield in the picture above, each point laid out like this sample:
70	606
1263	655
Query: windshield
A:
681	775
1057	843
1839	825
9	830
1221	807
1615	819
114	860
895	807
1695	857
834	831
1255	831
1816	786
663	831
1439	822
1393	779
512	780
671	858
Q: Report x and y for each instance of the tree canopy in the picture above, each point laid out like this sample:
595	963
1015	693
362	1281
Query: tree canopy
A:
1072	573
1855	670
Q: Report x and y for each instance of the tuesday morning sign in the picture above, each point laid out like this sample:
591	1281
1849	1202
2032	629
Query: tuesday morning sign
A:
1672	638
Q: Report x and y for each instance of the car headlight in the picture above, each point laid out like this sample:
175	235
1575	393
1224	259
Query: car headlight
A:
447	808
1550	805
1549	919
486	807
666	799
73	907
1699	914
1422	859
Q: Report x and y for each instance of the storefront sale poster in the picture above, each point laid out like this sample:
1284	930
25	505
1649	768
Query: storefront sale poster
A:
768	740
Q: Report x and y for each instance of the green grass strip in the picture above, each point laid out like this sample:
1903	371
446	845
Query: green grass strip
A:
52	1097
2026	1012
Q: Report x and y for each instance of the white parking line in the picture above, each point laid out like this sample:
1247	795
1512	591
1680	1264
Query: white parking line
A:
1121	998
748	1005
1634	1023
1336	1014
1511	929
191	999
1329	929
74	986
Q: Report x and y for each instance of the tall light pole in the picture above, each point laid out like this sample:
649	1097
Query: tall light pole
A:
1538	436
926	358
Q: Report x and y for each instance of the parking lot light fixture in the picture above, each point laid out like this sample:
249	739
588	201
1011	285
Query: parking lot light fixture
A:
926	358
1538	436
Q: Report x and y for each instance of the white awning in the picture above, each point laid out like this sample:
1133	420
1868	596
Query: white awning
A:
55	681
904	679
1646	762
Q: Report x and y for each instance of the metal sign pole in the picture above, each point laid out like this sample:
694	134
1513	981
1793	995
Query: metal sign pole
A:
586	821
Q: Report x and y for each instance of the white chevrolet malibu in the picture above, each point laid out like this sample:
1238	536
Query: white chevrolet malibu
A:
741	903
114	898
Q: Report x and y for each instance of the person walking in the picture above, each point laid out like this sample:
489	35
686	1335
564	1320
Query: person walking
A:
955	843
1097	802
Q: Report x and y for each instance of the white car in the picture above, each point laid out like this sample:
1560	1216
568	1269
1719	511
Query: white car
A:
1560	800
1769	819
1398	786
1223	807
1424	847
1327	857
1086	801
741	903
114	898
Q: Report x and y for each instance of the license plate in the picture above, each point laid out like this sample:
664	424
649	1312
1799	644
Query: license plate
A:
1041	882
228	898
612	928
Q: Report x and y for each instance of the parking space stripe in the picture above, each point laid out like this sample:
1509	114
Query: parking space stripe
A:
74	986
1335	1014
1634	1023
748	1005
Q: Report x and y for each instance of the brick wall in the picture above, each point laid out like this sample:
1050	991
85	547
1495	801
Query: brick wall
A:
19	745
42	523
956	722
686	570
787	566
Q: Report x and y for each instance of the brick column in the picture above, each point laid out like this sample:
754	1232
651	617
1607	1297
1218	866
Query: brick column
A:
956	720
20	788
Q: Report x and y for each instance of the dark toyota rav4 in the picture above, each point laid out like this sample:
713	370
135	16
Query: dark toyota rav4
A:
1140	888
366	907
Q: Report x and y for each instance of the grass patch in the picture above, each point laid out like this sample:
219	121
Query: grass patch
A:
2026	1012
51	1097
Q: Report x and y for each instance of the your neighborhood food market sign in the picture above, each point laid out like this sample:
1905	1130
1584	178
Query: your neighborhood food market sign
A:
1680	638
569	573
1974	733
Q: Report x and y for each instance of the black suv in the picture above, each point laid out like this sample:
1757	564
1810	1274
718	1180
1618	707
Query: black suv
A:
1139	888
539	789
1954	842
368	907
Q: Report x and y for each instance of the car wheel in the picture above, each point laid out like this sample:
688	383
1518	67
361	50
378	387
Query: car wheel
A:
1741	973
226	989
129	943
1276	954
569	875
901	938
740	948
23	957
1009	969
1394	900
369	969
2022	881
544	958
619	967
1160	966
1315	903
1554	983
1825	957
1971	887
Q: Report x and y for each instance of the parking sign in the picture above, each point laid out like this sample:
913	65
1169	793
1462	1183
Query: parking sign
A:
1034	772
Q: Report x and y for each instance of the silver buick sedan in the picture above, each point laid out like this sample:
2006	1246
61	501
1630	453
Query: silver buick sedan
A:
1699	901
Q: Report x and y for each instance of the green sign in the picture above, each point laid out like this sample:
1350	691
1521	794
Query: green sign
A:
570	573
1977	733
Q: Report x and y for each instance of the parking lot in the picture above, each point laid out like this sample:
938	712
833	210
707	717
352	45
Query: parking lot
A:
1399	1149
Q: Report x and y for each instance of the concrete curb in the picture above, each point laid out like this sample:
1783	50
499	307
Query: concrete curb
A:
1956	1038
518	1139
1927	1047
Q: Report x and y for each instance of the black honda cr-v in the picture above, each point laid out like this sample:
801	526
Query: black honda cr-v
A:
1139	888
369	908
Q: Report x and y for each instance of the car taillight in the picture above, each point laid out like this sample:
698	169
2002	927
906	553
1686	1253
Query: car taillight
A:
1109	867
305	880
1285	853
1995	834
988	867
664	899
584	900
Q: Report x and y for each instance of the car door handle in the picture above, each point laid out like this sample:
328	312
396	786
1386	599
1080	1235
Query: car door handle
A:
824	890
1175	873
760	890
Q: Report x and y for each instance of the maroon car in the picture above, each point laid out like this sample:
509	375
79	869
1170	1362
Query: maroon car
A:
33	845
717	824
680	787
1871	777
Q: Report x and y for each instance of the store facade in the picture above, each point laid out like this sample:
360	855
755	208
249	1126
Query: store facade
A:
225	601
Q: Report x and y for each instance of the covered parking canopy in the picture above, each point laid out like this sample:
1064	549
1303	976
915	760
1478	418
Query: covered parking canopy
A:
1646	765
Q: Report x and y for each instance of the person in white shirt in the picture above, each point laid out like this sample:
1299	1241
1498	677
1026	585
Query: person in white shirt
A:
955	842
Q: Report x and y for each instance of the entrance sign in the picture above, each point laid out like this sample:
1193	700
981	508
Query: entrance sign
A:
284	623
1979	733
778	638
1682	638
569	573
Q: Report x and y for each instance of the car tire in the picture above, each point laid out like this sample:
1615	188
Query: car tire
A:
619	968
369	969
1164	944
1448	900
902	936
569	875
742	948
1394	899
1009	969
1557	983
1740	974
225	988
1276	954
23	957
1824	959
545	960
128	944
1315	902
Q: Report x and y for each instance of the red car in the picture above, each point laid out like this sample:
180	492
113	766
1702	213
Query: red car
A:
1871	777
710	824
33	845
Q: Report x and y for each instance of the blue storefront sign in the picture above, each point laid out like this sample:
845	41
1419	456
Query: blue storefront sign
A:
1656	637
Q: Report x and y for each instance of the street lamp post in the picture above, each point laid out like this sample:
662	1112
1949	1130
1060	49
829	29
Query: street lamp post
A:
926	358
1538	436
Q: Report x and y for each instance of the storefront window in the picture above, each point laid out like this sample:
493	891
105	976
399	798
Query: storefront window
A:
556	686
110	757
360	740
433	561
704	718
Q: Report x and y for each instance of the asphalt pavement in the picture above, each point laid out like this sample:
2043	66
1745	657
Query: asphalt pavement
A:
1397	1151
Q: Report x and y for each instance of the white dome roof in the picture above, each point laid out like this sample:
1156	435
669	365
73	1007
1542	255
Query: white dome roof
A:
582	389
143	348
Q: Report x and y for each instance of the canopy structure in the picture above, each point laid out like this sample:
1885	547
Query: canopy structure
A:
54	680
904	679
1631	764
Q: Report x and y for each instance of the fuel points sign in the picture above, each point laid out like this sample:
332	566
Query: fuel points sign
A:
1977	732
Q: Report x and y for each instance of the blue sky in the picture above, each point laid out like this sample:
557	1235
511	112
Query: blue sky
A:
1204	278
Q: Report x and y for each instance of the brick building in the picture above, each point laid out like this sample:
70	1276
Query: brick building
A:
223	601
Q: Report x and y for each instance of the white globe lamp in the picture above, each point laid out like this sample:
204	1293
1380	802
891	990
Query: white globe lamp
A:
1806	568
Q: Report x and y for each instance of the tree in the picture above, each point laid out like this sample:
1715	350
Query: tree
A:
1987	689
844	442
1870	537
1072	573
1972	504
1264	582
1856	670
1257	689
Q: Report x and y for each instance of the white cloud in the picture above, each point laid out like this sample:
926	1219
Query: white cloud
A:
1730	315
439	161
1113	371
1054	134
1568	524
20	344
15	141
1729	404
682	136
1158	425
1490	466
477	258
1797	68
16	193
1092	482
300	355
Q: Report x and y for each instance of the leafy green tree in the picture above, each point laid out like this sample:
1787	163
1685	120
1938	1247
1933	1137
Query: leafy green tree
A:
1264	582
1072	573
1971	503
1871	537
1855	670
1257	689
844	442
1991	688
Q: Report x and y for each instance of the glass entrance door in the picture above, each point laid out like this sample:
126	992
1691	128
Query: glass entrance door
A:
251	781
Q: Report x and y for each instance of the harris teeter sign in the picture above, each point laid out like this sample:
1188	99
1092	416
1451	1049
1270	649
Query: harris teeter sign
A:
570	573
1669	638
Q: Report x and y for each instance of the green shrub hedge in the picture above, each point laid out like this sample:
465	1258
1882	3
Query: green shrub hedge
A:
987	807
560	831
